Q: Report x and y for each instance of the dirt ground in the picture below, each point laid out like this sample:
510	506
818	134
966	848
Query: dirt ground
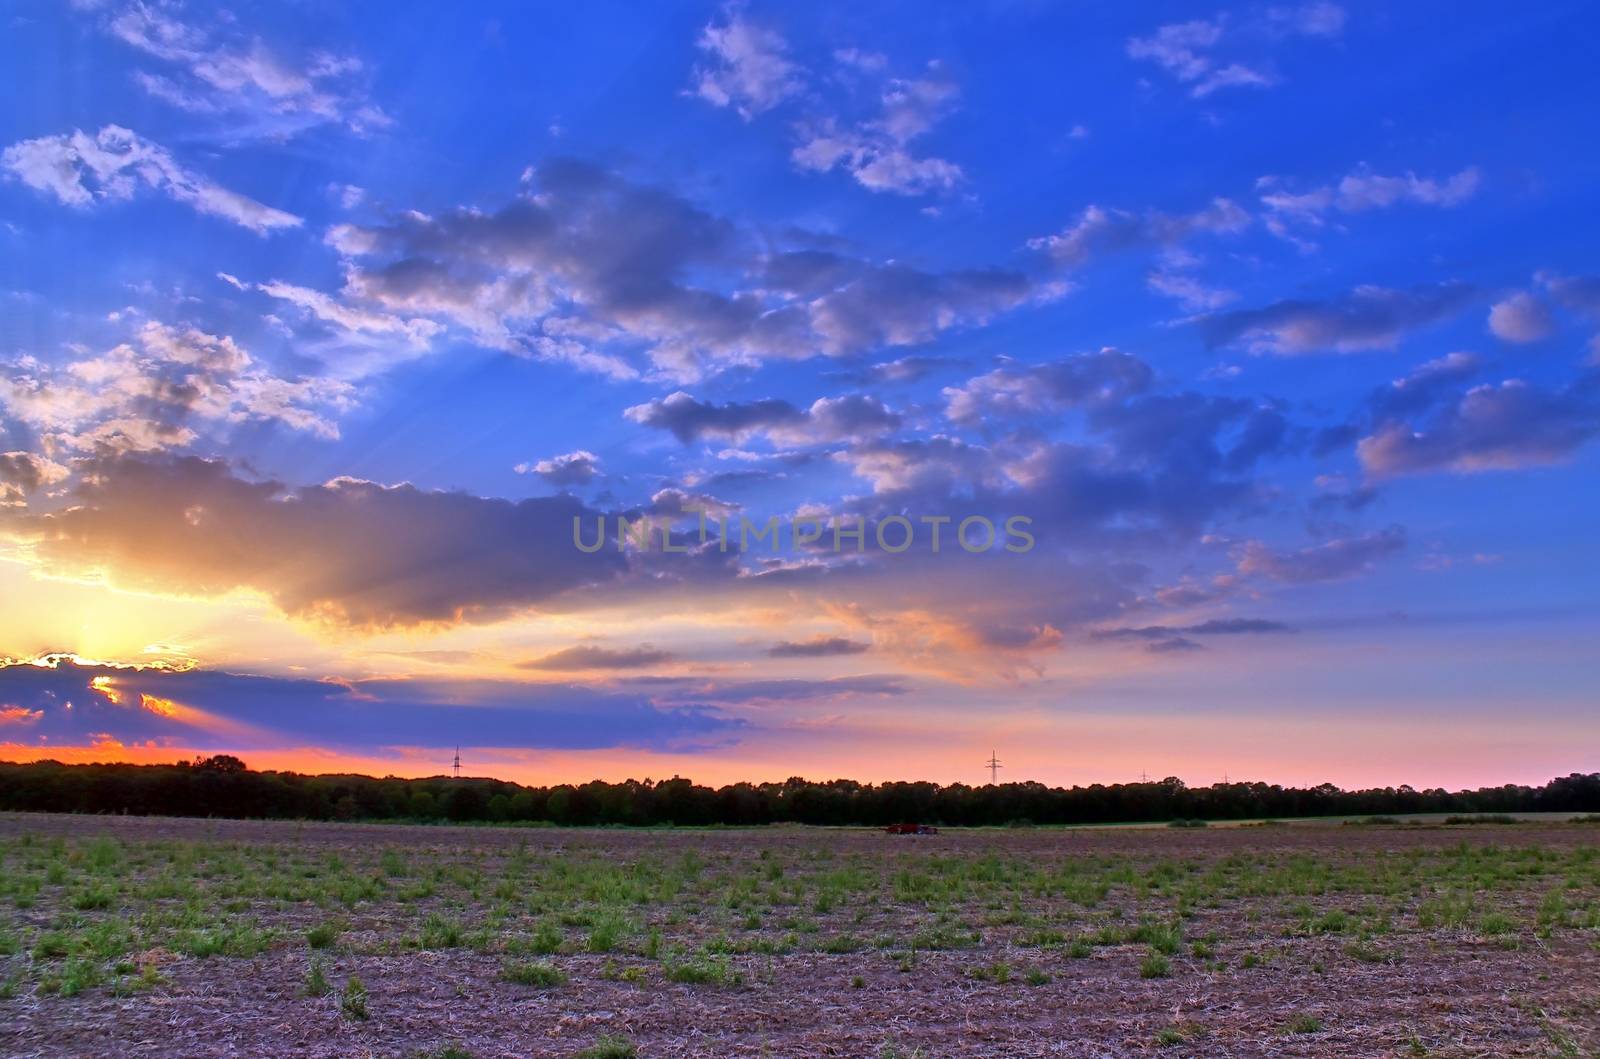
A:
1295	940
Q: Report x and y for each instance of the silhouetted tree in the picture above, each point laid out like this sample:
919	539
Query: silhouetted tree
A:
223	786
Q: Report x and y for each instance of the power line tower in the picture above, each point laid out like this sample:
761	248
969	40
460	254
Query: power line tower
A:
994	767
455	764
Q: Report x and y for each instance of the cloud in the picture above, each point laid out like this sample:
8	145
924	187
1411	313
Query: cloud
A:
1213	627
1581	294
586	656
902	370
853	416
1188	291
689	419
1152	468
877	151
1331	560
1179	48
1142	467
151	393
1364	190
24	473
573	468
1357	192
1368	318
80	170
674	503
1099	231
932	468
351	552
416	331
790	690
1187	50
897	305
1520	317
588	266
215	71
820	646
238	712
747	66
1511	425
1018	391
1423	387
1171	638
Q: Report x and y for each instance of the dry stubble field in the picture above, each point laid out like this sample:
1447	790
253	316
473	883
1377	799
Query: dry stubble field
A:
156	937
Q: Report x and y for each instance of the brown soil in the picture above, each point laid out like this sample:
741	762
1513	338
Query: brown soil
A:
1437	992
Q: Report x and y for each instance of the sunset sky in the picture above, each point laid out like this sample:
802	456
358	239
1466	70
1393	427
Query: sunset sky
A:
1280	324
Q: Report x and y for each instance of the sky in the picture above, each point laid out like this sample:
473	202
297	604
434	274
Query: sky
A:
1155	389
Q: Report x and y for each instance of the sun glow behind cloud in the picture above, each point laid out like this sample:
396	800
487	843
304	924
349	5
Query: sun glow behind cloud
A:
297	417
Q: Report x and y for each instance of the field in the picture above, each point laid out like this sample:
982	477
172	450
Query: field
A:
158	937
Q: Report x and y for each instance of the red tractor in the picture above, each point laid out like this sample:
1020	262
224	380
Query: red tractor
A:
911	829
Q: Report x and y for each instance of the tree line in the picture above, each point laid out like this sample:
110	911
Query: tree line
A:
222	786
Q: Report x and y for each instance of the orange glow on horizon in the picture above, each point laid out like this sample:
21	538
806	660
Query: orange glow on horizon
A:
1478	764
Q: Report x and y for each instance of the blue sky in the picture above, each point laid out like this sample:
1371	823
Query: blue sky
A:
1280	323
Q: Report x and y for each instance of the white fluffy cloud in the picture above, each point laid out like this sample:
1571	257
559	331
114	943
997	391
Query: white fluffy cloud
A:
1288	213
572	468
415	330
747	66
204	71
589	267
1520	318
878	151
1502	426
1192	52
1017	391
80	170
1101	230
23	473
1368	318
150	393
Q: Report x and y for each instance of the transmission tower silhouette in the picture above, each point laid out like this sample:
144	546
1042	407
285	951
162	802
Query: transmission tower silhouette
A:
994	766
455	764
